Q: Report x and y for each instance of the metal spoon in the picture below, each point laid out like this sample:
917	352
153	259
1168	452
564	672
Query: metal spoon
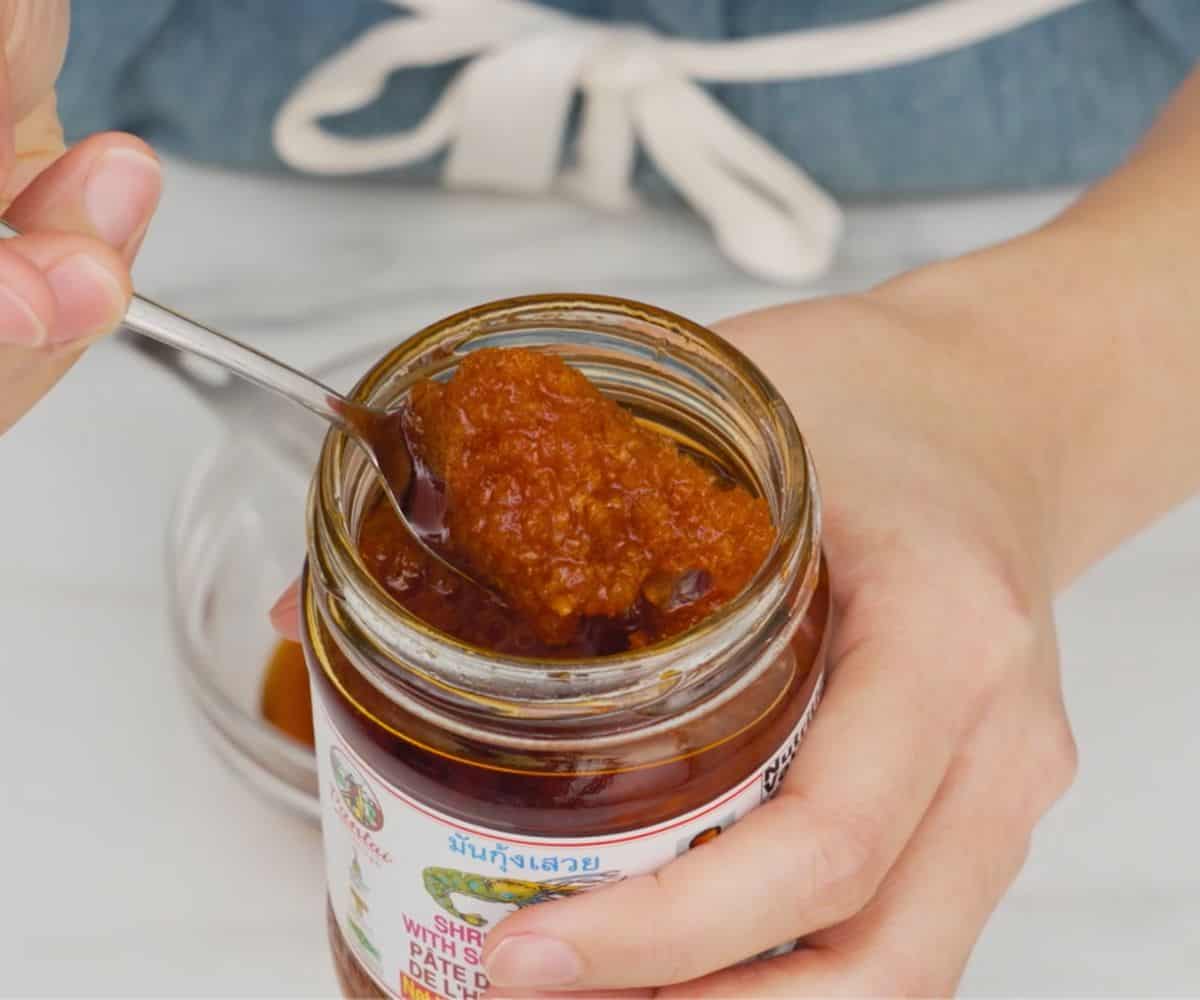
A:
379	433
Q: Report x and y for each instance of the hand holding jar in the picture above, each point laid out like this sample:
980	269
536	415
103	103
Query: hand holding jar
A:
941	739
84	213
985	429
908	807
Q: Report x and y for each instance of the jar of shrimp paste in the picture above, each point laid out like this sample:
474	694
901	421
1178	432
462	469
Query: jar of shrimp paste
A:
467	770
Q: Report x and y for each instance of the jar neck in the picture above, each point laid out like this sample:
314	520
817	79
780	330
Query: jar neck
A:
673	375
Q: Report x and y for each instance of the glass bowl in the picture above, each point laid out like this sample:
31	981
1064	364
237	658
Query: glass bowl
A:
235	540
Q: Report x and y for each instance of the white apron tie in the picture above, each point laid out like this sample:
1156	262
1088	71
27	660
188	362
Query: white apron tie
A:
504	116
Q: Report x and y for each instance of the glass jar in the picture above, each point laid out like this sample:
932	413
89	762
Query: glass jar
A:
458	784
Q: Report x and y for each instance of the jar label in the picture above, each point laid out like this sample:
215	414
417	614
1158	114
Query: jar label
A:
415	891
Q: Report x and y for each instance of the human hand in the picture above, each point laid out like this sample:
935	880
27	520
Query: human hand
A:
985	429
942	738
84	213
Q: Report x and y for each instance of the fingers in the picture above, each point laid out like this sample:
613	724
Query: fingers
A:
88	281
285	614
106	187
34	33
811	858
57	292
34	37
57	288
917	935
84	219
27	306
66	281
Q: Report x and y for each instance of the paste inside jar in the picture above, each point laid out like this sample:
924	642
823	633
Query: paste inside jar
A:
600	534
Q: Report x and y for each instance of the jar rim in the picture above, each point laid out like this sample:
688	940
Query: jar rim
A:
795	551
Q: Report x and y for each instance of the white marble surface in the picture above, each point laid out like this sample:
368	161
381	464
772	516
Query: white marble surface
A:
133	863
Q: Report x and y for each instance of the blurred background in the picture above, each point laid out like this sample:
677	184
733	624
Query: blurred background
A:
137	861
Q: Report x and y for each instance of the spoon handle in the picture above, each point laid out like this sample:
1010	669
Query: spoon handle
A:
168	327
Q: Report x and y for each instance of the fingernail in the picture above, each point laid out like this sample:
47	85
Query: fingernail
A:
18	323
532	960
90	301
120	194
